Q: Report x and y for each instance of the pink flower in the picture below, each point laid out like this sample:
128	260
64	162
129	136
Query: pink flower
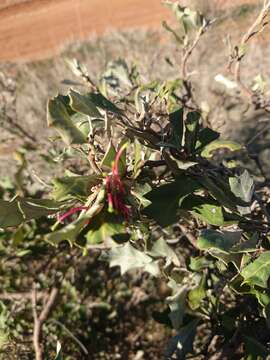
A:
71	211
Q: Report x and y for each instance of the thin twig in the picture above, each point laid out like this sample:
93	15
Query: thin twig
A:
257	27
39	320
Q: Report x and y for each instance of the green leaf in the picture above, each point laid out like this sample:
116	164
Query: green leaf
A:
205	210
191	130
205	137
139	191
10	214
162	249
58	116
258	271
177	304
23	209
220	191
177	122
243	187
128	258
70	187
83	104
68	233
103	227
103	103
220	144
182	344
166	200
109	158
221	240
195	296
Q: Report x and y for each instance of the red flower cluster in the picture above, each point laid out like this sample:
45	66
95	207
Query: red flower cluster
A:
115	189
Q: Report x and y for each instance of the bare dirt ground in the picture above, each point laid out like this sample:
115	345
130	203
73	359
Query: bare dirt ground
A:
36	29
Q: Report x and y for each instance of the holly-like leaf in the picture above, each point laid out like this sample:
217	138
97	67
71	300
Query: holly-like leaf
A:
258	272
24	209
177	303
70	187
10	214
243	187
221	240
68	233
166	200
83	104
58	116
103	227
162	249
128	258
204	209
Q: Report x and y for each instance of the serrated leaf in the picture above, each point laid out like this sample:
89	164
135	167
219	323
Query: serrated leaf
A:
258	272
24	209
209	150
216	239
103	227
139	191
58	116
83	104
243	187
128	258
162	249
68	233
166	199
182	344
220	191
70	187
204	209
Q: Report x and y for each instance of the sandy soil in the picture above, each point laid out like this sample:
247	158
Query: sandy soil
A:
35	29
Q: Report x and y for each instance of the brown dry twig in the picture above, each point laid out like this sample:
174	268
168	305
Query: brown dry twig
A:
40	319
257	27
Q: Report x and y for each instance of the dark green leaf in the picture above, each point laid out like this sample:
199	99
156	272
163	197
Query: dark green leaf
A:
192	128
166	200
221	240
177	122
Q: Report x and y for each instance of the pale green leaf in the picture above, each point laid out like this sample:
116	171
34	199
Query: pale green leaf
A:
58	117
258	272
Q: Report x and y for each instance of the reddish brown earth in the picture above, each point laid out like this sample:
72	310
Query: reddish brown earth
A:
35	29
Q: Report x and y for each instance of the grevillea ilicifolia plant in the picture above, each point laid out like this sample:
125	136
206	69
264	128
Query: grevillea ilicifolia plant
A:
157	191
